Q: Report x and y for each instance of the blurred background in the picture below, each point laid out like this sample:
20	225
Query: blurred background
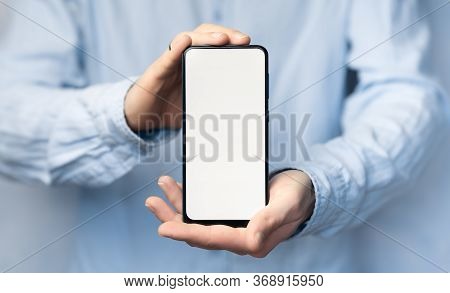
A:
28	222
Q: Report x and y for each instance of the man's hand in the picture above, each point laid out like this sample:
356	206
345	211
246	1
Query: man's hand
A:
155	100
291	203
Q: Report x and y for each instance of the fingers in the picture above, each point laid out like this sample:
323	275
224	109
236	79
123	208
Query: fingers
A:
186	39
206	34
161	209
170	59
208	38
258	239
236	37
172	191
264	232
237	240
207	237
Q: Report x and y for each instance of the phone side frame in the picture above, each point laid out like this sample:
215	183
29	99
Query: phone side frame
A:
232	223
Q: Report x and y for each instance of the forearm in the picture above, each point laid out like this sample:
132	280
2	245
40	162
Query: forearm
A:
76	136
389	131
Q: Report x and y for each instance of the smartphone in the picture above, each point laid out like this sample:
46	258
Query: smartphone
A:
225	134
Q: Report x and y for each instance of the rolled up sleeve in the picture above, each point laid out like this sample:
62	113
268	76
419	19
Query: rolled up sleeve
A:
55	127
389	124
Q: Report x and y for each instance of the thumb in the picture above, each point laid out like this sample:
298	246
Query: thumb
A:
263	224
171	57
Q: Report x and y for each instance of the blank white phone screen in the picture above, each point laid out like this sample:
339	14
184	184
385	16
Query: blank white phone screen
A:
225	149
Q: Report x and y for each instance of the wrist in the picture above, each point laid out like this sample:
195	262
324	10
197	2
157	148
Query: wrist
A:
307	198
133	111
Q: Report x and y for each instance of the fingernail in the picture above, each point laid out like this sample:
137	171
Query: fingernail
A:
148	204
217	35
240	35
164	180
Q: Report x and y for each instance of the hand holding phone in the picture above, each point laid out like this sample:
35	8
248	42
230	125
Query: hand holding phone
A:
154	101
291	202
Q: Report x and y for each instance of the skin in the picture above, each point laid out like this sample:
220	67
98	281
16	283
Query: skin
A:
291	202
154	101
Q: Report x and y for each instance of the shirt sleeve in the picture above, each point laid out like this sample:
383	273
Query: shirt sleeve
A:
54	127
389	124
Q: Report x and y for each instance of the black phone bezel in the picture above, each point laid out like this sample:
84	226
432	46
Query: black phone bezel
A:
232	223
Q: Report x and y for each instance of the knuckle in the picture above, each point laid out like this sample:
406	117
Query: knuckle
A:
180	35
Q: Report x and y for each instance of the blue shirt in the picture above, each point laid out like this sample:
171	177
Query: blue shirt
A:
65	67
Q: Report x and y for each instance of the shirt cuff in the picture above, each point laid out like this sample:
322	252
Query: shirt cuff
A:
116	131
314	223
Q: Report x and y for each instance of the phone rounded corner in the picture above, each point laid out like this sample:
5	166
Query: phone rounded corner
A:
186	218
265	53
187	50
262	48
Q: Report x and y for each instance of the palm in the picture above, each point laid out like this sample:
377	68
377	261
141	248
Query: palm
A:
290	204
